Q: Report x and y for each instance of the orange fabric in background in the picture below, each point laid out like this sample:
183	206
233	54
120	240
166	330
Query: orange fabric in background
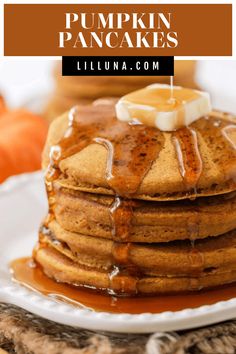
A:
22	137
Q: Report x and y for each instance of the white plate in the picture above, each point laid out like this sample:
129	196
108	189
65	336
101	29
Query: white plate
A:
22	207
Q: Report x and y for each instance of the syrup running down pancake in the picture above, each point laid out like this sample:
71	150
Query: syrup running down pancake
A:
102	155
91	214
134	210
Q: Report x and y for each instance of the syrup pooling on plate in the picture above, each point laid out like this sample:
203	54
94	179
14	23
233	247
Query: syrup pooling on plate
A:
32	276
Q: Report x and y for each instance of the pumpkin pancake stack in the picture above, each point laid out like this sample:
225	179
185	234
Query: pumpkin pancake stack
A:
73	90
135	210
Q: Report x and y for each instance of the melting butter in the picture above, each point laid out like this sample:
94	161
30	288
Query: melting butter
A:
163	106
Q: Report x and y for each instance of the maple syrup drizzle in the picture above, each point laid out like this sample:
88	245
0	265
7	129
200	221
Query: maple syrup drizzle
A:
124	275
131	149
216	131
226	133
144	108
121	212
190	163
31	275
190	166
185	141
171	88
197	262
131	152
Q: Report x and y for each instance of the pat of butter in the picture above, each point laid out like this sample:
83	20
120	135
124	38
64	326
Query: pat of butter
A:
164	107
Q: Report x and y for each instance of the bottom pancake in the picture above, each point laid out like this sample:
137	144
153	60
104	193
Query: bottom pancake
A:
62	269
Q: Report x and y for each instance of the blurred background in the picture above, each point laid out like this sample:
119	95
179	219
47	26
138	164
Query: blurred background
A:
24	81
33	93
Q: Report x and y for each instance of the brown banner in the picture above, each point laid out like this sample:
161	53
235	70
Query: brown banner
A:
96	29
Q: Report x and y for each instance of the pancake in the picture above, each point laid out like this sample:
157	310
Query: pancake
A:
90	214
62	269
181	258
86	170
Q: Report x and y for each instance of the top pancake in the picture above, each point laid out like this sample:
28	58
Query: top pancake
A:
165	178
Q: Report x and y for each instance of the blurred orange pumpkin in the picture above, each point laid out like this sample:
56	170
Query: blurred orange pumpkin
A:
22	137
